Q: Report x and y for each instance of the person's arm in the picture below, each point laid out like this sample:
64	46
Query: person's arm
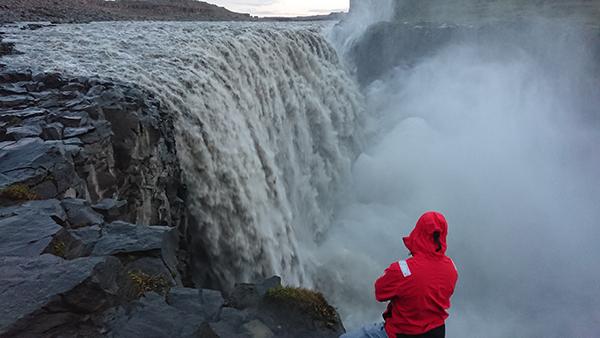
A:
388	285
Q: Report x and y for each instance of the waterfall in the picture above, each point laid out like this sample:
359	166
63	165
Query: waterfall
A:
268	125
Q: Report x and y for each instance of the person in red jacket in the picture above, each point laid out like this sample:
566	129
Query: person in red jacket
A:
418	289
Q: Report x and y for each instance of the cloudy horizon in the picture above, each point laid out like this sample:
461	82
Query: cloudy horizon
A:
283	7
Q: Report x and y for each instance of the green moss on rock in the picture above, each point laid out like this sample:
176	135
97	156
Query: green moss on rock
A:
59	248
18	192
143	283
307	301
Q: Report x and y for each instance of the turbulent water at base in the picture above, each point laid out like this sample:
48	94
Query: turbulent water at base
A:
268	124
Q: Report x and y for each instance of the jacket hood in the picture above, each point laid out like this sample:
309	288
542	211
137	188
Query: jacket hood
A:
420	240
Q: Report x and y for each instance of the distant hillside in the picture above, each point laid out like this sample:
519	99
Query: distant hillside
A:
100	10
472	11
327	17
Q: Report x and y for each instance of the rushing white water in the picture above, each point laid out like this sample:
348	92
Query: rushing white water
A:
363	14
501	135
268	126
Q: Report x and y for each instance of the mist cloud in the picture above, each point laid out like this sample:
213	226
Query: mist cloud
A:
499	136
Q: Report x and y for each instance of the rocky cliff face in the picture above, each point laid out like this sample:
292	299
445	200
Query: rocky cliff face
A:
92	222
90	139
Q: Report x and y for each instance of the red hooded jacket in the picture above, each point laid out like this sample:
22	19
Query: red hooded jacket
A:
419	288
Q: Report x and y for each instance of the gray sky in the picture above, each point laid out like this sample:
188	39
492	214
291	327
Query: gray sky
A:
283	7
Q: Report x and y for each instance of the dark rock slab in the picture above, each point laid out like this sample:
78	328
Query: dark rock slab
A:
181	314
231	324
7	48
34	26
73	86
76	132
52	131
111	209
33	162
11	101
50	208
246	295
13	89
46	296
76	243
26	234
120	237
28	228
22	114
15	76
72	121
80	214
50	80
201	301
17	133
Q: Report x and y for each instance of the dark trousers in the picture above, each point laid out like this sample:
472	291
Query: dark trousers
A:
439	332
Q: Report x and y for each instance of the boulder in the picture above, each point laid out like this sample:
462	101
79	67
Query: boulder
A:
181	314
46	168
122	238
76	243
80	214
26	233
50	80
257	329
11	101
17	133
33	26
22	114
15	76
52	131
111	209
7	48
71	121
13	89
46	296
232	323
50	208
246	295
76	132
151	250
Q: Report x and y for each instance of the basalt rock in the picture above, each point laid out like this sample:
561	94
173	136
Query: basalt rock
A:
46	296
26	233
180	314
91	139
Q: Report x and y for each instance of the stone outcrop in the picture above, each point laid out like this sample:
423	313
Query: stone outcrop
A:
46	296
